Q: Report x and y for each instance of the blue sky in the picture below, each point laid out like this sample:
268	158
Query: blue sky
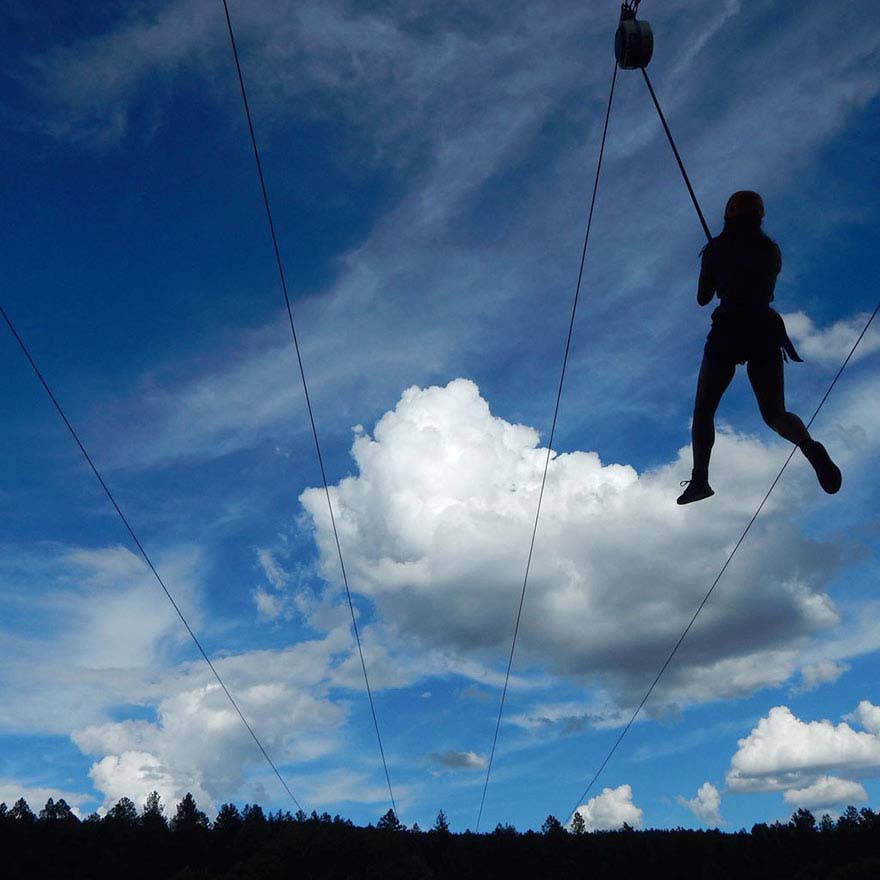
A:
429	170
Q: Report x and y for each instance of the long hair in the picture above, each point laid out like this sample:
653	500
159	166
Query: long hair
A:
742	229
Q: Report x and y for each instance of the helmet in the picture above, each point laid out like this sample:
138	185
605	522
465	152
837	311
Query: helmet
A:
744	203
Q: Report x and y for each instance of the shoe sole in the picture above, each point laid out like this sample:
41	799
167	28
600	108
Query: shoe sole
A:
701	497
827	472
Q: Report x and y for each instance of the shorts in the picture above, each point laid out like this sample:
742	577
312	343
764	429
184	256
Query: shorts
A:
749	335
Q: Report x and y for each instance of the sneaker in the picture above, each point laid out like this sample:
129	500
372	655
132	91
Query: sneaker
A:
697	490
826	470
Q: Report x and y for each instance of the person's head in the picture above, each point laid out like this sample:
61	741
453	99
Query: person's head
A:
744	204
744	212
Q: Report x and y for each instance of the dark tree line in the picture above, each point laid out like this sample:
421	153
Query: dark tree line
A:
249	844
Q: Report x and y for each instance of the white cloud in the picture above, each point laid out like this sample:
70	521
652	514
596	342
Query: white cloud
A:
827	791
814	675
346	786
198	743
610	809
435	523
705	805
868	716
124	620
784	753
103	612
135	774
105	616
831	344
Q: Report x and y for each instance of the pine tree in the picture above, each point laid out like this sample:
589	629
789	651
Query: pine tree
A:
552	825
504	829
441	824
57	811
63	812
390	822
803	821
578	826
253	815
849	819
153	814
47	814
124	813
188	815
21	812
228	820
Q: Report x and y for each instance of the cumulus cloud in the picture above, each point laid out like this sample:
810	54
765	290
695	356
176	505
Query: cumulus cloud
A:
458	760
831	344
436	521
610	809
705	805
123	646
827	791
866	715
784	753
197	742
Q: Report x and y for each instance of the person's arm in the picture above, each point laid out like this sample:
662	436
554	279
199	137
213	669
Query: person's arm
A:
777	268
706	286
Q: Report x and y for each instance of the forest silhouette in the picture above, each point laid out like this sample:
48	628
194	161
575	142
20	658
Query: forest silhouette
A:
249	844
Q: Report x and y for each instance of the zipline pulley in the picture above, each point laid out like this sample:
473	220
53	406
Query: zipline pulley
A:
634	40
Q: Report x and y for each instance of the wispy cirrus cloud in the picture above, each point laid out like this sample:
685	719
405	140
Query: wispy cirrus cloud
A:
466	107
452	760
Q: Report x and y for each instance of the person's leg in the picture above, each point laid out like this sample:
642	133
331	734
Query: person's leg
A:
768	382
767	376
715	376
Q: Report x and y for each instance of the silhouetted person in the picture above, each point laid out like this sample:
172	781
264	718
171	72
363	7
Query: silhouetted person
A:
741	266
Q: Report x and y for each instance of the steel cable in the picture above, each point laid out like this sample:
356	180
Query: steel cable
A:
549	445
141	549
289	307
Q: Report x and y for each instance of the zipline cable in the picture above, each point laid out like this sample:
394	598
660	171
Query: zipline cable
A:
549	444
727	562
684	174
283	280
140	547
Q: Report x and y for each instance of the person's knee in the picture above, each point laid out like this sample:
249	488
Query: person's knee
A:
775	419
703	415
